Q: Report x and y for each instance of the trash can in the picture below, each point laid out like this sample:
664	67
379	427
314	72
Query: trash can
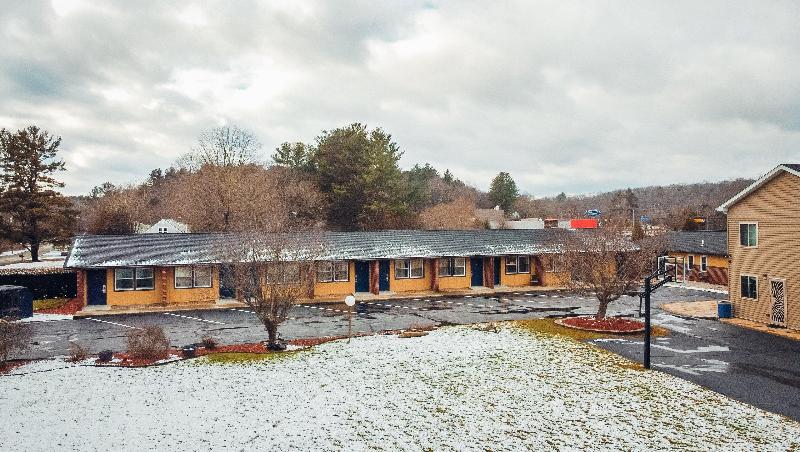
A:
724	310
16	301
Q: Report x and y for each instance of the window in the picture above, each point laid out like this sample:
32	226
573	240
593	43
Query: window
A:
748	234
452	266
133	279
330	271
282	273
183	277
690	262
517	264
409	269
189	277
749	286
703	263
555	264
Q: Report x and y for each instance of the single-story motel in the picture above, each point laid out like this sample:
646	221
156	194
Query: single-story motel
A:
166	269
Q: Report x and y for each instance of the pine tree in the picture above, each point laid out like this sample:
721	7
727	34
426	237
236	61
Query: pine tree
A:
503	191
293	155
31	211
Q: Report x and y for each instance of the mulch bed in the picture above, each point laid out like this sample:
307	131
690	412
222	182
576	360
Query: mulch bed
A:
606	325
69	308
8	366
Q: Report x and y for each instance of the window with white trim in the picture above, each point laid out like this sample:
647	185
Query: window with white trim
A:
749	286
517	265
748	234
282	273
134	279
690	262
409	268
555	264
703	264
333	271
194	277
452	266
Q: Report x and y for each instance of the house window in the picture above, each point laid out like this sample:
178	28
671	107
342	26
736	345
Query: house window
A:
409	268
749	286
133	279
197	277
555	264
517	264
690	262
330	271
453	266
703	263
748	234
285	273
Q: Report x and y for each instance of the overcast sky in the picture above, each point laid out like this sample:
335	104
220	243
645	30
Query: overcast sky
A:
566	96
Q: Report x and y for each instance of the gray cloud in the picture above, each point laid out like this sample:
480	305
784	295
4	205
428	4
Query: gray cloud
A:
567	96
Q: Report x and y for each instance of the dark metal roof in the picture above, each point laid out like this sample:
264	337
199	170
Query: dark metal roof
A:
698	242
794	166
195	248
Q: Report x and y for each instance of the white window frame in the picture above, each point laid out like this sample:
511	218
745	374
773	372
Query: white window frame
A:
409	266
453	269
748	223
135	278
331	270
192	276
337	269
744	275
703	263
210	277
517	260
555	264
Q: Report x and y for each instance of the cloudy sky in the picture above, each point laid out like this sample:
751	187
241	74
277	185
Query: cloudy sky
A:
567	96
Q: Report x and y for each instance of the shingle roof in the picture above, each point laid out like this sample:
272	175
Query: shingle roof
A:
794	166
195	248
698	242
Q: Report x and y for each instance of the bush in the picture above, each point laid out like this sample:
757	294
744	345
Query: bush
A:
150	342
77	352
14	337
209	342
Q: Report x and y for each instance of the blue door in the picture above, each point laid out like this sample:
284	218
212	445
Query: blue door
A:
497	260
96	287
362	276
476	264
383	276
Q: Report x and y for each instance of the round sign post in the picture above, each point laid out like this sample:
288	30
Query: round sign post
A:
350	301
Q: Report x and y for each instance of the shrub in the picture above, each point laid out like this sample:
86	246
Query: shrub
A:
150	342
209	342
77	352
14	337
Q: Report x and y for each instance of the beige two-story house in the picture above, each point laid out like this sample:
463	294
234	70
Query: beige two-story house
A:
764	248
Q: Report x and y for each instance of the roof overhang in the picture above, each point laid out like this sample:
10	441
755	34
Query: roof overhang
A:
755	186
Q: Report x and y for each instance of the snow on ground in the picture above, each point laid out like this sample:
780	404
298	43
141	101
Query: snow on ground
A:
454	389
56	263
46	318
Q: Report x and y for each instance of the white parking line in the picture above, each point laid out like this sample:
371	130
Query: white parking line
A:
114	323
194	318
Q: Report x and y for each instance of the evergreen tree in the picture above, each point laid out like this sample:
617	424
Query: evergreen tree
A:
31	211
418	181
293	155
503	191
358	172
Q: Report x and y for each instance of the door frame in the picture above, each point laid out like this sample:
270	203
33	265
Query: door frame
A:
772	302
102	275
356	278
472	271
384	264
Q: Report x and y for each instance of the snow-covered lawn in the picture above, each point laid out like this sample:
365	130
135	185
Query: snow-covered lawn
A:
457	388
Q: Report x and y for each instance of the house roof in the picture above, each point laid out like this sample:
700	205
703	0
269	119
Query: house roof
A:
100	251
791	168
698	242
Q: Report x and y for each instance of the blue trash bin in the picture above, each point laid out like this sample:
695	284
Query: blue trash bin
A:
724	310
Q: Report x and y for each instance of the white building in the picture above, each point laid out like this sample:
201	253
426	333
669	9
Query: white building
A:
163	226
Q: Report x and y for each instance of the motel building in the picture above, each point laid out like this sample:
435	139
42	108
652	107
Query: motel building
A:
173	269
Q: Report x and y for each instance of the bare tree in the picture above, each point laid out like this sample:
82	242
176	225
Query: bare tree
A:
604	262
458	214
225	146
270	273
14	337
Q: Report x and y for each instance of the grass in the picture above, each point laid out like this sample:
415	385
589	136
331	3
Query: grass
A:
49	303
241	358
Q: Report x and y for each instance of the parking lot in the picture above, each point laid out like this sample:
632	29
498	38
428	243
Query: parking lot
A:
240	325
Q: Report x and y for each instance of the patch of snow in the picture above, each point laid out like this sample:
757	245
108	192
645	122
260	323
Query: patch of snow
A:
454	389
56	263
46	318
13	253
714	365
704	349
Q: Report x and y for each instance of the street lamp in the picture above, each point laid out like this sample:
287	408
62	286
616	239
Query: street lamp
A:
350	301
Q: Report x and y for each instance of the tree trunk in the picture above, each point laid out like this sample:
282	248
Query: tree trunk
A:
272	332
35	252
601	310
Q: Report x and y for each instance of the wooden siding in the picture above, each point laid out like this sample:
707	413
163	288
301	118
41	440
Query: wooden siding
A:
774	207
514	280
456	282
337	288
412	284
717	272
164	290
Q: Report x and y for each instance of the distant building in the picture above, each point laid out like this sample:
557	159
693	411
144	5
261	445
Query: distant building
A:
163	226
494	218
551	223
701	256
